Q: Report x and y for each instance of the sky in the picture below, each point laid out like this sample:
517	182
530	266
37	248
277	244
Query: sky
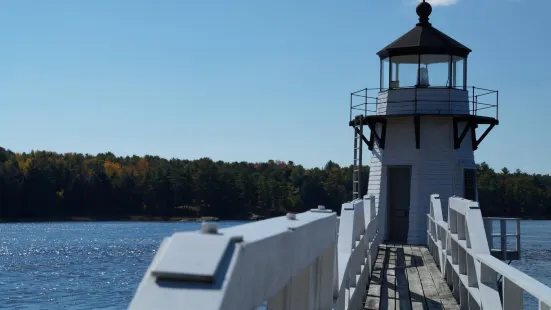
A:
249	80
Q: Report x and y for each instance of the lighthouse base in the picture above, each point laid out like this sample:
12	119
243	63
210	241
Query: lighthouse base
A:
402	177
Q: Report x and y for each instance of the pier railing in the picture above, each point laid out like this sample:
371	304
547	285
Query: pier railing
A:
464	257
310	260
358	242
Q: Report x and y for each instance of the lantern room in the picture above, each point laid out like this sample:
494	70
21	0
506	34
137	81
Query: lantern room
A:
424	57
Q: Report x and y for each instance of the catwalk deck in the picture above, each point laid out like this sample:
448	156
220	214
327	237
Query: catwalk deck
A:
406	277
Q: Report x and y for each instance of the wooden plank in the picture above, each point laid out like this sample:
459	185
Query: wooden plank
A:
391	280
444	292
432	298
373	297
403	301
406	277
414	281
384	304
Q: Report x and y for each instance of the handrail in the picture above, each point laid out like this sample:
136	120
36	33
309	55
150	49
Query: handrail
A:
465	260
243	266
311	260
518	278
366	101
501	218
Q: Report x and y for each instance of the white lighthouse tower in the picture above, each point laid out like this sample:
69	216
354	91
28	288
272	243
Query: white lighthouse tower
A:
422	123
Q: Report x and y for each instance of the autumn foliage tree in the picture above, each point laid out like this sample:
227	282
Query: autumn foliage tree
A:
48	185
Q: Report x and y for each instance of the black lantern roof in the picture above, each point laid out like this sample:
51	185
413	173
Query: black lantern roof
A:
424	39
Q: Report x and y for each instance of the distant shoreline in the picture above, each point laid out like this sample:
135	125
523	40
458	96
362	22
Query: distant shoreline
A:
130	218
147	218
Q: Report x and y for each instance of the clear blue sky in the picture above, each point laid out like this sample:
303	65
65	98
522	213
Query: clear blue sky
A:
248	80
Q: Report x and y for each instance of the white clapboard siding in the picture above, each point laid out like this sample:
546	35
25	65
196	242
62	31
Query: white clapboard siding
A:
435	167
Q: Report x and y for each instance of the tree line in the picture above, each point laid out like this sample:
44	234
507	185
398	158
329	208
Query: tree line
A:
49	185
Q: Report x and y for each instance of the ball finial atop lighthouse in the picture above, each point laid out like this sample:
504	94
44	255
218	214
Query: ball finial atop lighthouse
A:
423	10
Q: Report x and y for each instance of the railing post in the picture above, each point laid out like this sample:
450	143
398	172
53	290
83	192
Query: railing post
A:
429	231
460	226
512	295
518	238
497	105
365	103
474	111
488	276
489	228
351	99
503	233
368	239
336	272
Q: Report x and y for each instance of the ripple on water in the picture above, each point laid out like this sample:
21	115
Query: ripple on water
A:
77	265
99	265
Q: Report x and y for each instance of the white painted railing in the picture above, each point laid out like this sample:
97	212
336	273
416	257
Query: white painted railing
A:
311	260
358	242
460	248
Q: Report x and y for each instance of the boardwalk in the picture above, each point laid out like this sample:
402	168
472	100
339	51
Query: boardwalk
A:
406	277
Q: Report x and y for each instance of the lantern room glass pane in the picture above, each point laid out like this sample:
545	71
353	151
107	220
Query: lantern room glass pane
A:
404	71
458	72
385	73
435	71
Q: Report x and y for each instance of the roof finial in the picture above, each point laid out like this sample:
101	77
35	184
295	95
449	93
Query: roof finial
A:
423	10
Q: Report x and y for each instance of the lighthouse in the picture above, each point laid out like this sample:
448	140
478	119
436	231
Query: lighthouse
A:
422	125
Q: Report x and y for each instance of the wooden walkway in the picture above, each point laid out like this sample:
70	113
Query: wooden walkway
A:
406	277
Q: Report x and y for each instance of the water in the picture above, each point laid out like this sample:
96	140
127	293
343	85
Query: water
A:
78	265
535	255
99	265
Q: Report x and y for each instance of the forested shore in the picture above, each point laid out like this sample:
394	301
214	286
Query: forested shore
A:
43	185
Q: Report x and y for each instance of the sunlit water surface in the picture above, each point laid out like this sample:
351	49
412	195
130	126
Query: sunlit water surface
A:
99	265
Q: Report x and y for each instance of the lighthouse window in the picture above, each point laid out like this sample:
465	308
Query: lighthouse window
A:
404	71
385	74
469	177
435	71
458	72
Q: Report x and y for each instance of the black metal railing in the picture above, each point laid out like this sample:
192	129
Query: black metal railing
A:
481	101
